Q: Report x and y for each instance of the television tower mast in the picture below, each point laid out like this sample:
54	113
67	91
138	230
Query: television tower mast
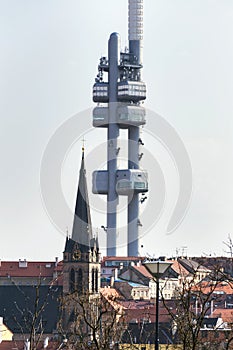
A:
119	107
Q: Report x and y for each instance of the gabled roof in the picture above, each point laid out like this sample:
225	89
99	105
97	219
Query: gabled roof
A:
82	227
179	269
143	271
28	268
192	266
225	314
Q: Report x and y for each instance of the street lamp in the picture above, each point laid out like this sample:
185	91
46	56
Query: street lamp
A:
157	268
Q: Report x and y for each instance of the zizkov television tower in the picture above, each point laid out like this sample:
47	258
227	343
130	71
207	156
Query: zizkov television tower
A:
119	107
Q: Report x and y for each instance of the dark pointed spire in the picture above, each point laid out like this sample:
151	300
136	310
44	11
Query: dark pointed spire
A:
82	227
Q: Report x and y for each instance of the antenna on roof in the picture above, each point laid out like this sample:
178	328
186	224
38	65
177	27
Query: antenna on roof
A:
184	251
83	144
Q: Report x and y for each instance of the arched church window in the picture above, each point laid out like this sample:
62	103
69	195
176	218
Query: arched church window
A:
96	280
80	281
93	280
72	280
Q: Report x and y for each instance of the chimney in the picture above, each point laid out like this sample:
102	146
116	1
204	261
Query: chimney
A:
23	263
211	307
162	258
112	280
115	273
114	276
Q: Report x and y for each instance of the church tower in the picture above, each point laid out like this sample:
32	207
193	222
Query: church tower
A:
81	257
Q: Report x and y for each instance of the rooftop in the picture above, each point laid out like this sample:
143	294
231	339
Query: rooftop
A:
24	268
225	314
143	271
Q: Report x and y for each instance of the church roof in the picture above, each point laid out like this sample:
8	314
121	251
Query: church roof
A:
82	227
70	244
18	305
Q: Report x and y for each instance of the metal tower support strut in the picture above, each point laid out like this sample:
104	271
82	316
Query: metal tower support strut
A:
135	27
113	134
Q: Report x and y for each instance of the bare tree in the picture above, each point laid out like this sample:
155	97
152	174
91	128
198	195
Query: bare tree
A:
229	245
29	313
192	304
93	322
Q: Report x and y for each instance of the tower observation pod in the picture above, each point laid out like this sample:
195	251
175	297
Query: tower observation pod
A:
119	106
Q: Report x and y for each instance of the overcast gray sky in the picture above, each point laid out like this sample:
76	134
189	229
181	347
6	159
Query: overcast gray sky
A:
48	62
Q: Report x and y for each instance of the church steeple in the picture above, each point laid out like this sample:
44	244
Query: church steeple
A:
81	263
82	227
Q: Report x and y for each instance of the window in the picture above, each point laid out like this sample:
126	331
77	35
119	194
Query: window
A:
72	281
80	281
96	280
93	280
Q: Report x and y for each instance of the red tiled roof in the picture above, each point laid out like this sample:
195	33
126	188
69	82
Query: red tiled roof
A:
142	269
178	268
111	292
138	310
225	314
133	310
113	297
31	269
208	287
59	266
